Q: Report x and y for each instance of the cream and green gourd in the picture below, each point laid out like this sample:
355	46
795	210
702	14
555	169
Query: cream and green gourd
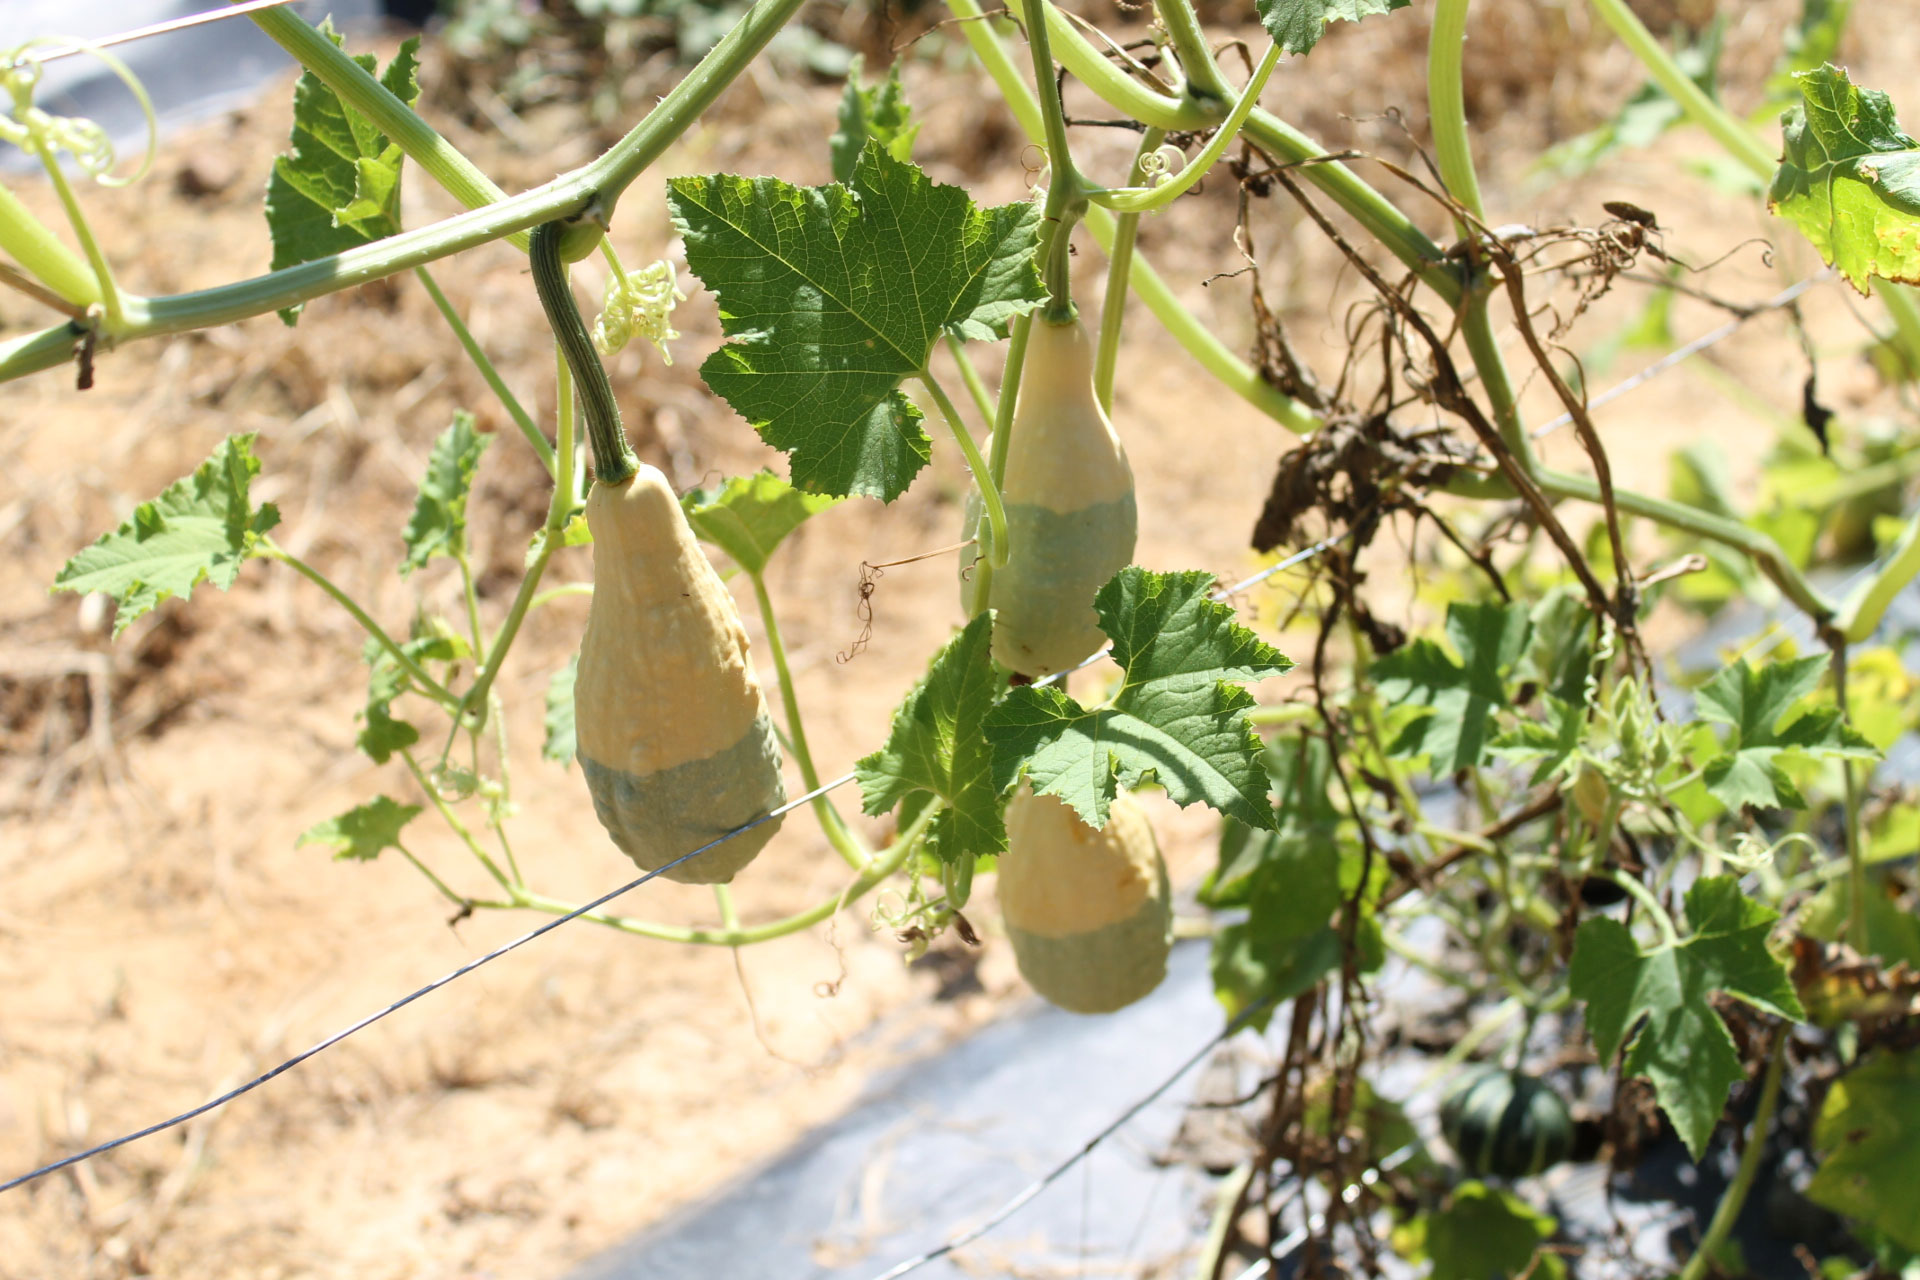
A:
670	725
1089	912
1071	520
672	728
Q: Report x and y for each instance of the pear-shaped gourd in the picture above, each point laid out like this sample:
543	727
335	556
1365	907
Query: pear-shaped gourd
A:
1089	912
1070	513
672	728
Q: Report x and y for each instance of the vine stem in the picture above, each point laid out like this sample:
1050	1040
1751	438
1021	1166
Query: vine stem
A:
1727	1212
1119	249
836	831
452	819
271	550
508	401
1855	837
597	184
110	299
1447	109
1233	373
970	375
1204	83
889	861
1002	438
982	472
1669	936
1156	198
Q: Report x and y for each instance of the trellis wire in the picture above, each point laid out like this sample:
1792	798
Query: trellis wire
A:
342	1034
160	29
1053	1175
1694	348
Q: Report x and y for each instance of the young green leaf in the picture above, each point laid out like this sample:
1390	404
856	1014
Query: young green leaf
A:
559	744
439	523
1252	962
1754	703
879	113
1481	1232
362	832
1683	1047
338	185
1176	721
1871	1133
384	733
937	748
749	516
201	528
1850	180
832	295
1463	696
1296	25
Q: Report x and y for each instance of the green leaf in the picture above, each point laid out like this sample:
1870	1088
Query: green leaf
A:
439	523
937	748
559	746
1481	1232
749	516
201	528
1176	721
1754	704
338	185
362	832
1250	964
1870	1129
832	295
1850	180
1462	696
384	733
1296	24
1308	826
1683	1047
879	113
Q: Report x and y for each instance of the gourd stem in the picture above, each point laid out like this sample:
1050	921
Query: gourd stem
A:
560	503
494	381
1735	1196
452	820
34	246
432	688
982	472
836	831
1113	307
970	374
613	458
1002	440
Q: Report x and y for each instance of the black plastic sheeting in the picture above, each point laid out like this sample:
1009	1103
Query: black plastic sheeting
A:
937	1146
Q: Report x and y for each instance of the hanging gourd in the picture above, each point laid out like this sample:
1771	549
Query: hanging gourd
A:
672	728
1089	912
1070	509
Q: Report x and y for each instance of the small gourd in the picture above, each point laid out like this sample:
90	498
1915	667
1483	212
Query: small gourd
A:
673	731
1071	519
1088	912
1505	1124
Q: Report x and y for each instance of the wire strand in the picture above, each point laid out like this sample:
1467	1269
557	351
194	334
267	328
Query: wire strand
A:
1027	1193
161	29
1783	298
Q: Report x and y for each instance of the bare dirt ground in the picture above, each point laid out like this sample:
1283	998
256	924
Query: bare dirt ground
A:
161	938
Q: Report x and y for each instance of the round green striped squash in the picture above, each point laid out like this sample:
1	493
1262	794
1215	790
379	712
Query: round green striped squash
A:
1505	1124
1071	519
672	729
1089	912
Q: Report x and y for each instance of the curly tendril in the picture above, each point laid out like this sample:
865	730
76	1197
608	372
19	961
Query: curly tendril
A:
31	129
639	303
